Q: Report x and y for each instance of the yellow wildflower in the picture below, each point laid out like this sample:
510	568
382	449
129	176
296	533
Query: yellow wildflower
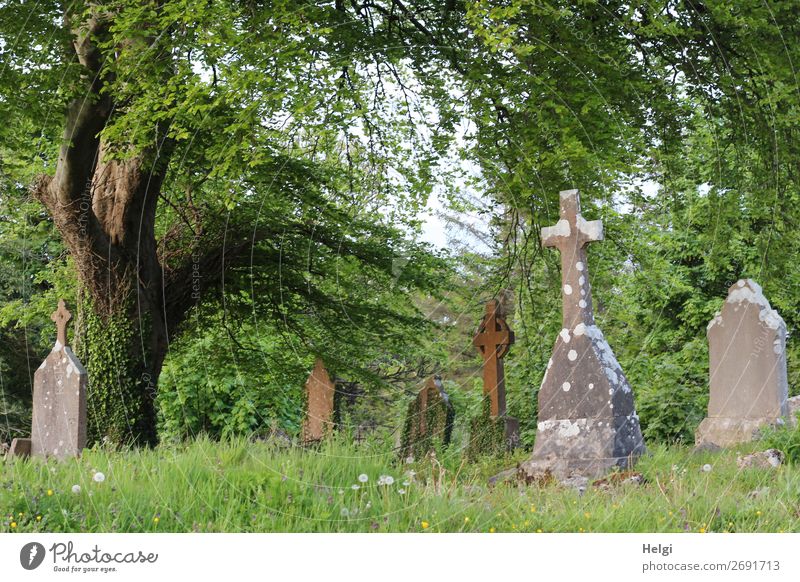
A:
491	530
13	524
425	525
49	492
156	519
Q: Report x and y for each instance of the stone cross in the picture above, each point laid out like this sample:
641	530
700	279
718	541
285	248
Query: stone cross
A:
59	398
493	339
747	360
61	317
320	390
570	235
587	420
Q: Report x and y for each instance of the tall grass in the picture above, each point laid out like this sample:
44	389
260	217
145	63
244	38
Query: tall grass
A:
243	486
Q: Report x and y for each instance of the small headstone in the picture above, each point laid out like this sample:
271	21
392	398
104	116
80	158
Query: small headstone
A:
320	391
587	420
429	420
20	448
493	339
747	367
59	398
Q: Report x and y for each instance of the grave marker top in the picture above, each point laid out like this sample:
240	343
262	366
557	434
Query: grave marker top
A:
61	317
570	235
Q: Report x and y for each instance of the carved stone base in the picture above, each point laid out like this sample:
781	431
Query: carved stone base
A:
726	432
589	447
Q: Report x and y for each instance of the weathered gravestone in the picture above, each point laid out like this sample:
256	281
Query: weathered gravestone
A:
59	400
587	420
747	369
320	390
429	420
494	429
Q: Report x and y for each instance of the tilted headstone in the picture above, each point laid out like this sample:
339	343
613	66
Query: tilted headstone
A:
587	421
493	339
59	398
747	369
429	420
320	390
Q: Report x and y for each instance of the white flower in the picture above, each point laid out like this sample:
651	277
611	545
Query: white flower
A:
706	468
363	478
401	491
344	512
99	477
389	480
341	491
385	480
409	460
76	489
406	483
368	505
355	487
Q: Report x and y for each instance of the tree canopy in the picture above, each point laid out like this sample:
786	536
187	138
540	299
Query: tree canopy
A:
228	189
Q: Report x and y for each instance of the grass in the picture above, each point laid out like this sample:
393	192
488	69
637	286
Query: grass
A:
244	486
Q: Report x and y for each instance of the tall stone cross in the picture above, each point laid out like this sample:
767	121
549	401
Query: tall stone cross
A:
493	339
587	420
570	235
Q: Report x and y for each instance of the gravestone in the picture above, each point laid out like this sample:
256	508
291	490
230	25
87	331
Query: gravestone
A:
429	420
320	391
59	401
493	430
747	369
20	447
587	421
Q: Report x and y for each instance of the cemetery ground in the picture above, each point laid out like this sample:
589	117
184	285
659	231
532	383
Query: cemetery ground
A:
268	486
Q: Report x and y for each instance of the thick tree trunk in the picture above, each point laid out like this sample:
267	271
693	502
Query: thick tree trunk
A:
104	207
122	336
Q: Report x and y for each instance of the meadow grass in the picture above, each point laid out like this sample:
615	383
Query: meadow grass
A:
255	486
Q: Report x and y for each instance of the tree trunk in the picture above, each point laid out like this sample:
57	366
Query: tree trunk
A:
103	203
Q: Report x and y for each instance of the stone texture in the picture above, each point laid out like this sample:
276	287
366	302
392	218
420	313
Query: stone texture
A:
429	420
747	369
320	390
59	398
769	459
587	420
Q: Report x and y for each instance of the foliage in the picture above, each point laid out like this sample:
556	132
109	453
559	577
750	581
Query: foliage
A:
784	438
439	416
308	151
487	435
